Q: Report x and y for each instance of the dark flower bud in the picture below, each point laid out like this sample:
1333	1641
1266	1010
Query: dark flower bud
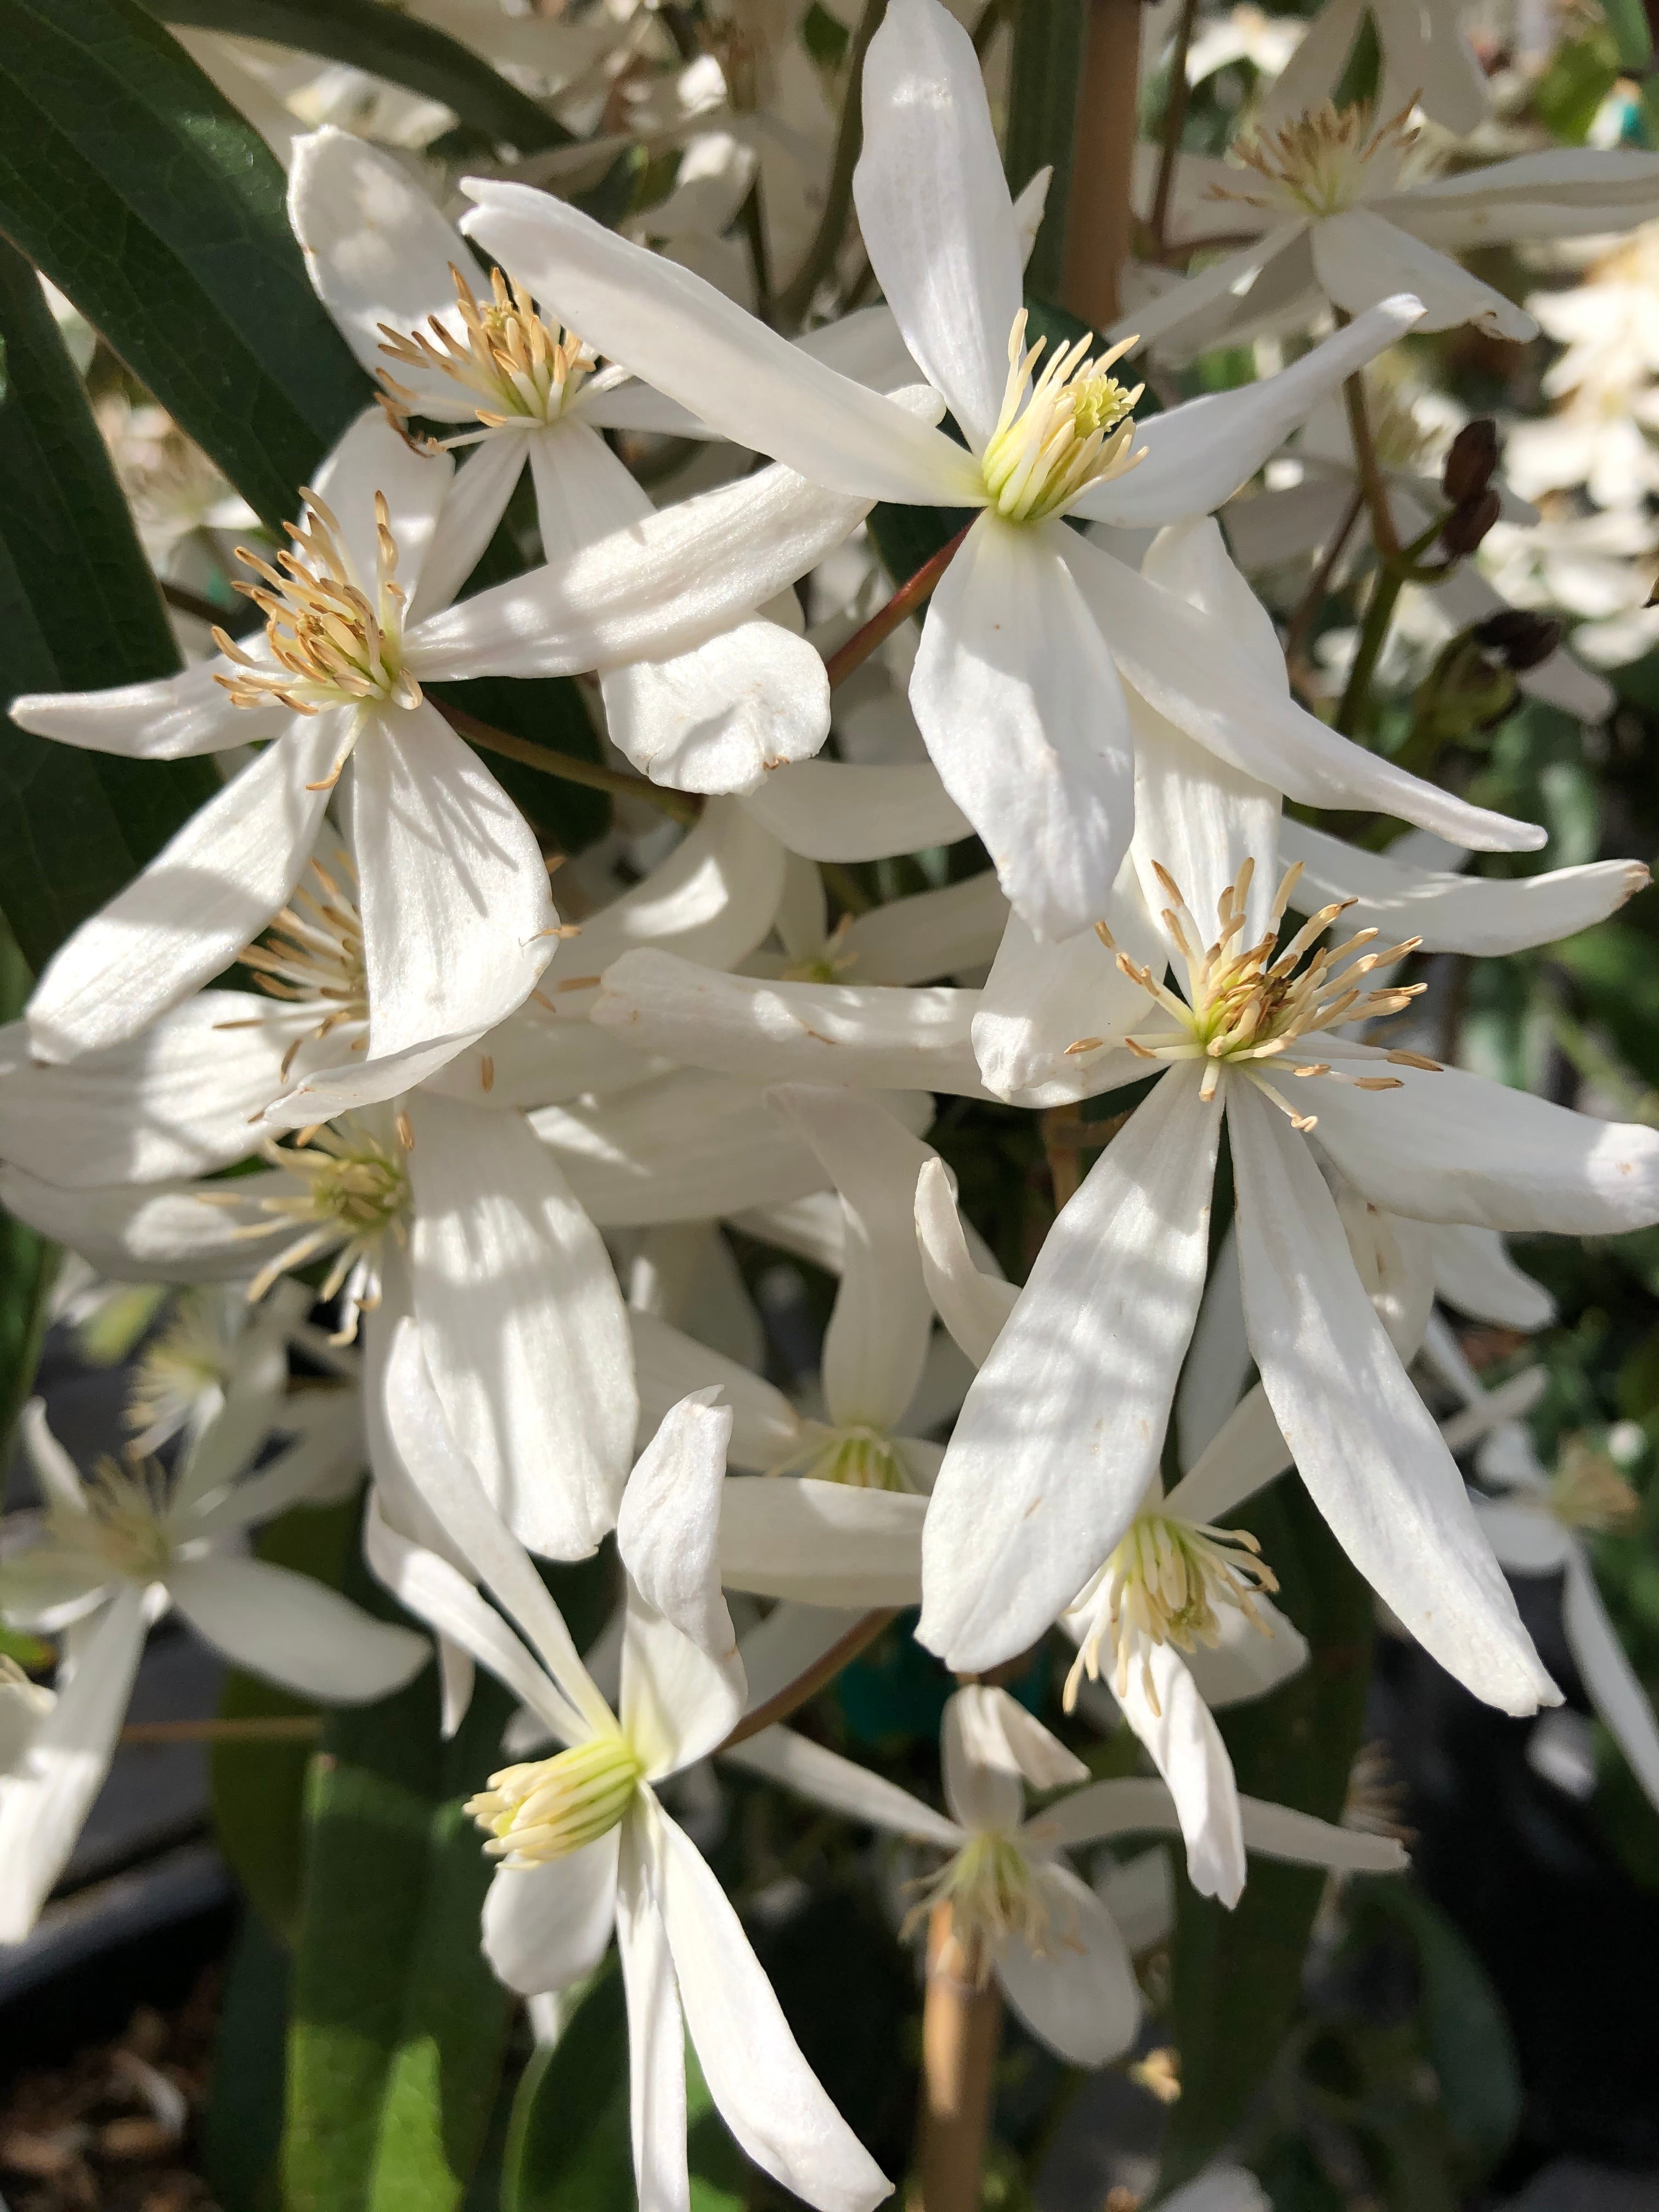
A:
1518	637
1468	522
1471	462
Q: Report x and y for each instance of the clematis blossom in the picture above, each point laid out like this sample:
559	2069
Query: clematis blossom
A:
1036	644
583	1843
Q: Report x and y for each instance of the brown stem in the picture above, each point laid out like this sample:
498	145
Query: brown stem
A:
192	603
300	1728
1307	606
680	804
961	2028
1383	532
1175	116
886	620
1101	220
778	1707
795	300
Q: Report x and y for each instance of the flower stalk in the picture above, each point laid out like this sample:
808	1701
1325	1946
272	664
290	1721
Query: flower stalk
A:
961	2033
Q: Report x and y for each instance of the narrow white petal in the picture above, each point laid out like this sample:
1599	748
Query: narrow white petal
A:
972	1305
546	1926
846	811
56	1475
523	1323
935	210
295	1631
982	1785
1218	1360
453	891
372	458
814	1771
762	2087
1246	1664
1364	1442
1279	1832
678	1699
656	2027
1061	1431
766	1428
473	506
208	893
1078	1994
821	1543
929	934
155	1232
1473	1273
1041	999
1525	1540
168	719
1608	1675
690	341
1185	1744
1360	258
1016	696
713	899
1220	2189
668	1530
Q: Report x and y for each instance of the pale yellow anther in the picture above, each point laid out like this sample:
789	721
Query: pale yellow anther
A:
1162	1585
1323	161
512	368
1587	1491
312	956
1058	434
547	1807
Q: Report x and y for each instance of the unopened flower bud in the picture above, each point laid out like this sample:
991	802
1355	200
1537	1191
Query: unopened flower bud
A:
1468	522
1518	637
1471	462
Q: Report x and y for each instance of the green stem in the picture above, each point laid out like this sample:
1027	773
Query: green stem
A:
797	296
679	804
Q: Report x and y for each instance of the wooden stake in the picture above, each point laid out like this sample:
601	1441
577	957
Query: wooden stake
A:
961	2029
1100	220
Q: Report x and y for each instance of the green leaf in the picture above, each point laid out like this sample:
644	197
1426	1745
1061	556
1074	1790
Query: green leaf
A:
1628	21
242	2128
1238	1975
78	608
1042	88
568	2148
160	212
391	44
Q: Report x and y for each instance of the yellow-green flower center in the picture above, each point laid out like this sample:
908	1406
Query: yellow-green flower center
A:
989	1888
1326	160
123	1530
861	1457
1163	1585
1055	437
549	1807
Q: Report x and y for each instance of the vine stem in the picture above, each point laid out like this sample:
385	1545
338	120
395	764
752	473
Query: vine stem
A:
1101	214
1175	116
680	804
886	620
778	1707
792	305
961	2030
1307	607
300	1728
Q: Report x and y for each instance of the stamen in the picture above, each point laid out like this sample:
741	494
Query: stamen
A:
859	1456
547	1807
1055	437
1162	1585
989	1887
1325	160
312	956
512	367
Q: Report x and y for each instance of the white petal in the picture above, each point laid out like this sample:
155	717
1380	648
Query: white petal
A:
1366	1447
1199	454
176	1100
879	1330
1456	1147
982	1786
1279	1832
56	1475
1473	1273
1170	654
821	1543
453	891
689	340
767	1032
1218	1360
678	1700
546	1926
712	900
762	2087
295	1631
935	210
155	1232
1452	913
1061	1431
1246	1664
1017	697
1220	2189
846	811
1525	1541
1187	1749
930	934
972	1305
1201	820
1315	67
816	1772
523	1323
1080	1996
723	715
372	458
208	893
1041	999
377	251
1199	308
473	506
766	1428
656	2027
1246	1453
1361	258
658	586
668	1528
1610	1679
168	719
42	1810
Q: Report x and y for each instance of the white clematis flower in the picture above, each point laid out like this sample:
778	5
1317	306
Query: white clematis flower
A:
454	903
1019	686
583	1842
1018	1912
108	1556
1038	1487
453	346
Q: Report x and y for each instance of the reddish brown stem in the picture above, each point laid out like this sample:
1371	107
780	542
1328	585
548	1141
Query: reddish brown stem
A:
903	603
858	1637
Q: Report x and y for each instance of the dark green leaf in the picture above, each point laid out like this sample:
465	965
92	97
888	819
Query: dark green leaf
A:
1238	1974
28	1264
391	44
147	199
1046	70
242	2128
78	608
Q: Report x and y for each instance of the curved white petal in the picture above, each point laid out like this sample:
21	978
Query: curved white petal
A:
656	2026
1246	1664
668	1530
851	810
1360	258
546	1926
815	1771
713	899
930	933
153	1232
1078	1994
1473	1273
1366	1447
724	715
1017	697
1218	1359
1279	1832
371	457
1041	999
1162	1703
170	719
1061	1431
821	1543
1608	1675
766	1428
1525	1540
1246	1453
972	1305
473	506
208	893
934	209
295	1631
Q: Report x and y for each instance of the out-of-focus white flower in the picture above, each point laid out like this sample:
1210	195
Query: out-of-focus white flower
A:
1603	382
24	1706
1243	33
1425	59
103	1559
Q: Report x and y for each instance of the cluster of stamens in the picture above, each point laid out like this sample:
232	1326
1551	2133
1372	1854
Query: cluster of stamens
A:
862	1458
1587	1492
182	1361
515	368
313	956
1327	160
547	1807
1055	437
334	640
1247	1005
124	1529
1162	1585
992	1896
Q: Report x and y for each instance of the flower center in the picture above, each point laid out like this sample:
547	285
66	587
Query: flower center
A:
860	1457
549	1807
992	1896
1247	1005
512	367
124	1529
335	637
1162	1585
312	956
1328	160
177	1368
1587	1492
831	963
1055	437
